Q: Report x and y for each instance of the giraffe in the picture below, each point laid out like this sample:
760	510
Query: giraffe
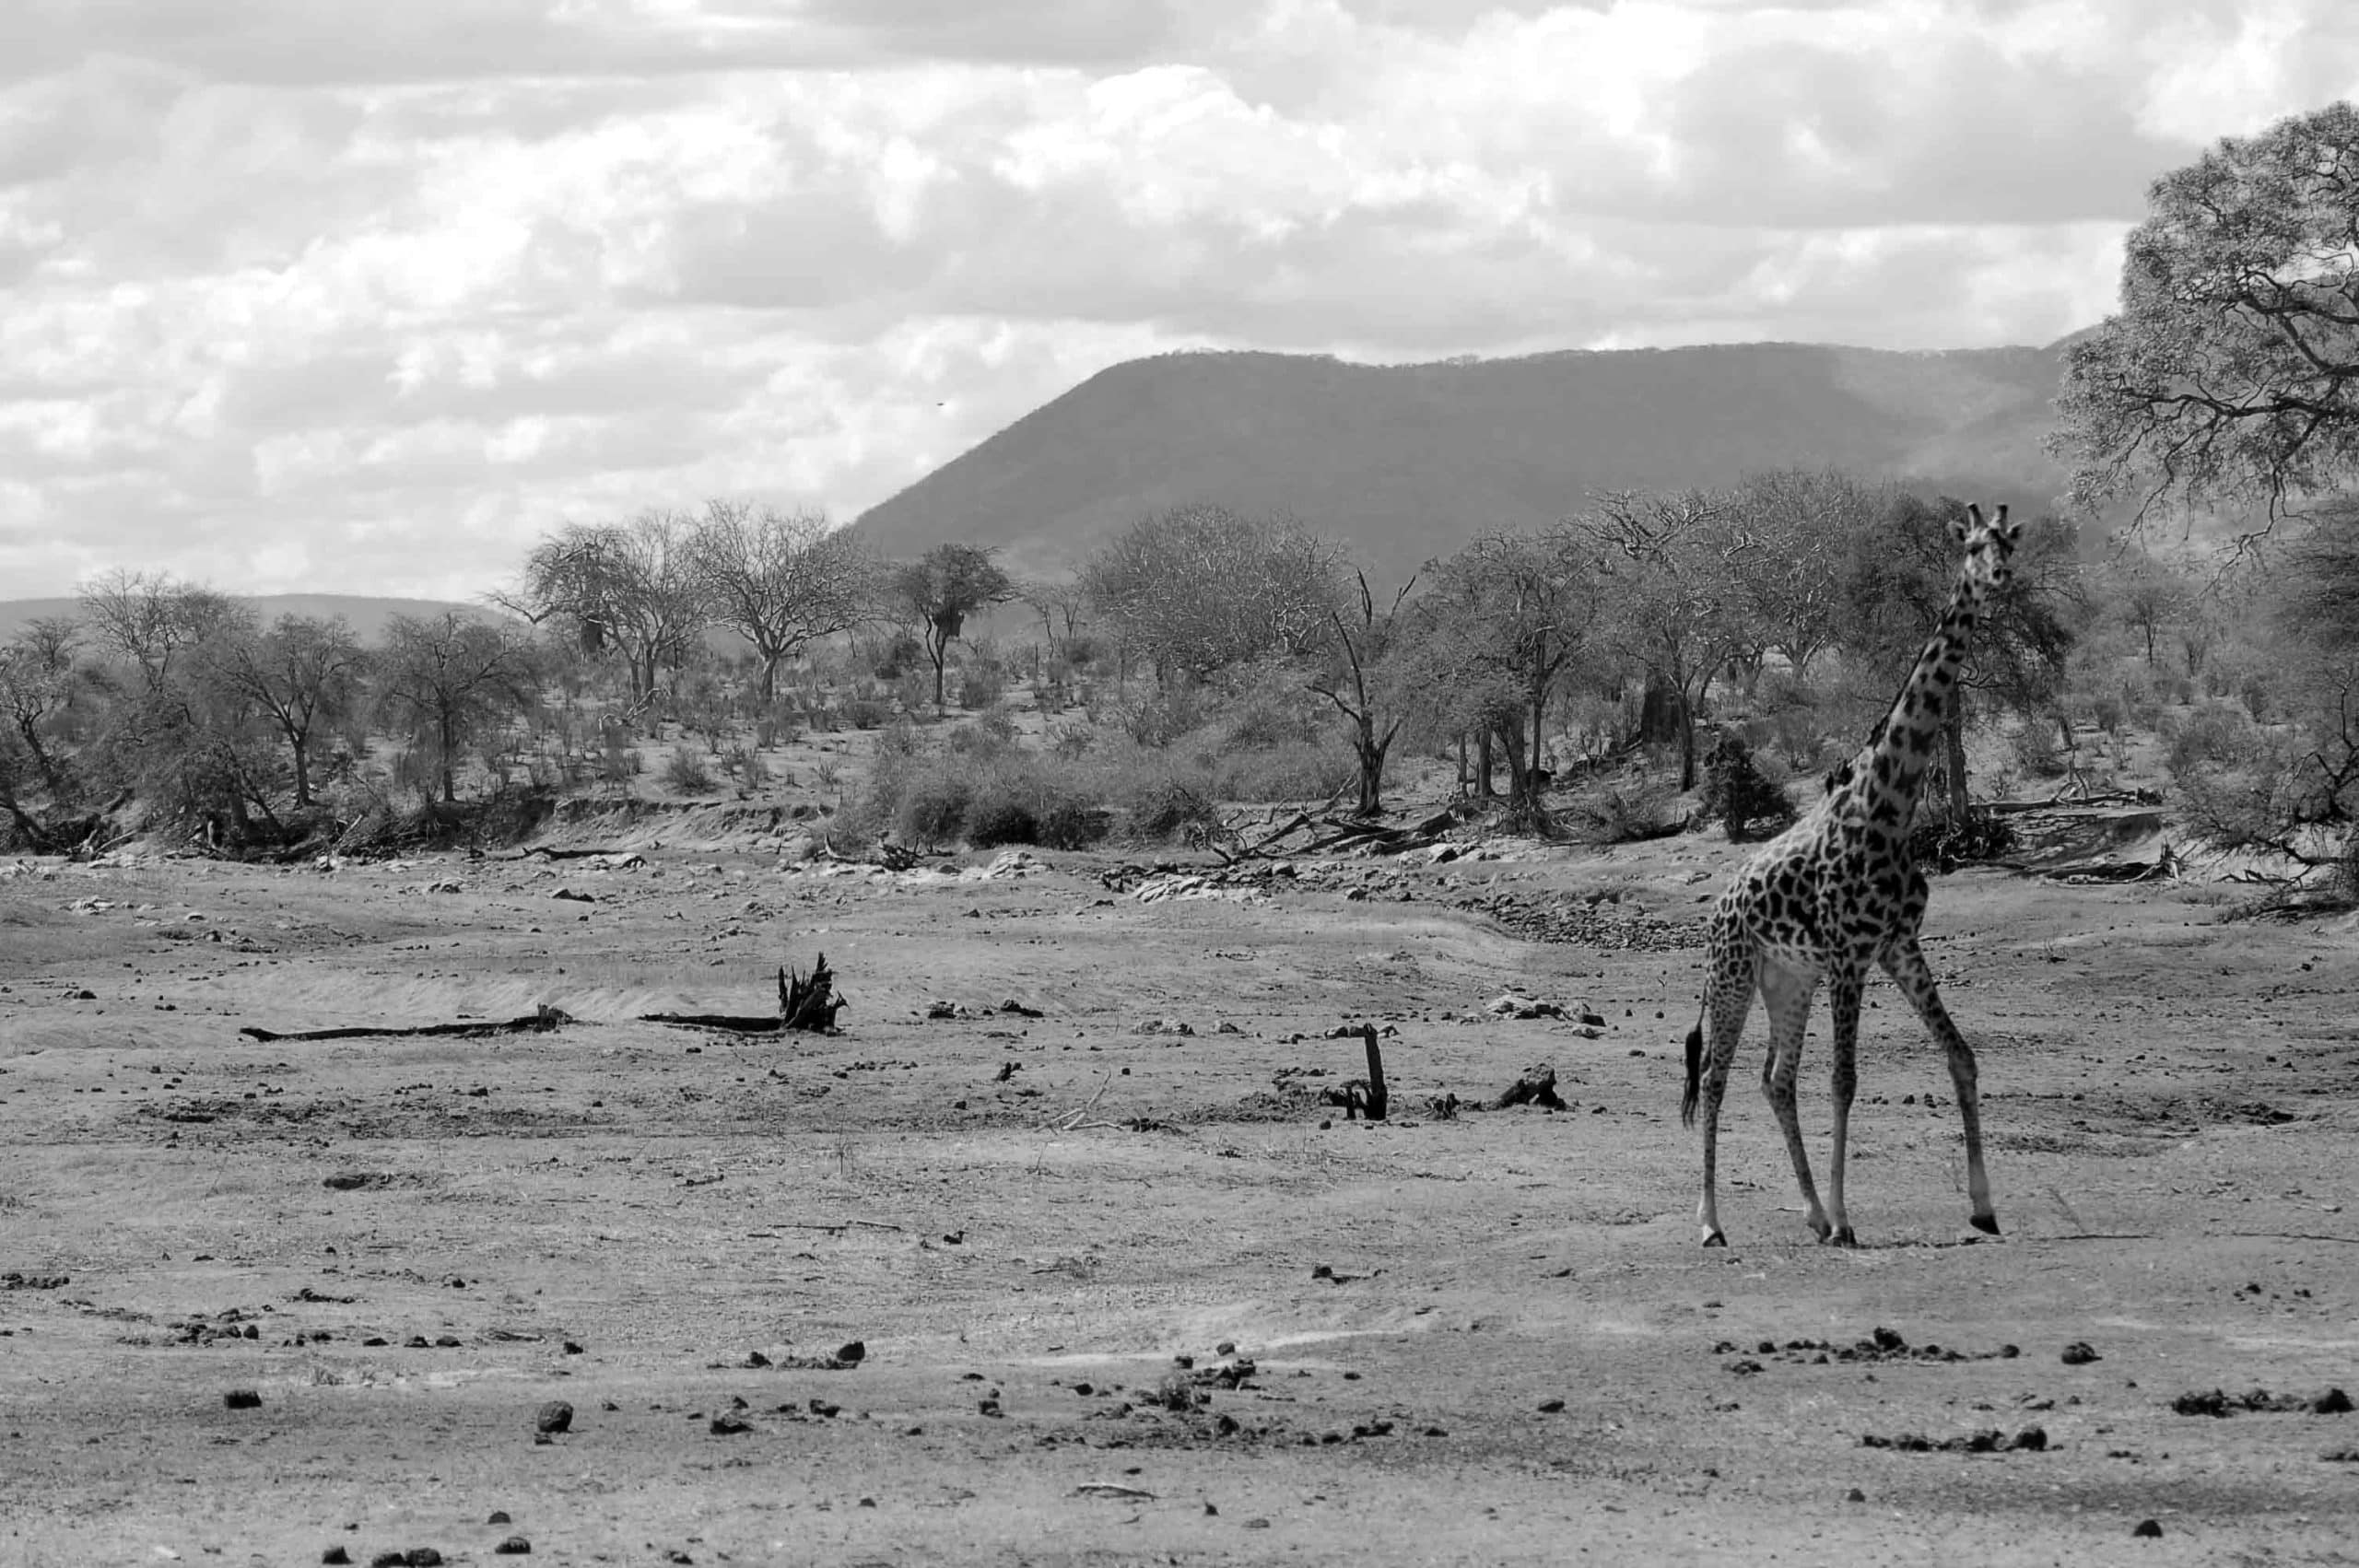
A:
1831	895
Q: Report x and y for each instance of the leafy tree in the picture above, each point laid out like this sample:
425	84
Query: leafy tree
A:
2149	596
780	580
1899	585
635	586
2231	372
448	679
302	673
1787	534
1674	609
940	590
1505	618
40	676
1202	588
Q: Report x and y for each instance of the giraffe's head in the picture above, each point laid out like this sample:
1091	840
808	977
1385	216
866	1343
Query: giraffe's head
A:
1990	547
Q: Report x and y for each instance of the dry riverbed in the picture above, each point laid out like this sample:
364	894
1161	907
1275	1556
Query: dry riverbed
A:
1100	1277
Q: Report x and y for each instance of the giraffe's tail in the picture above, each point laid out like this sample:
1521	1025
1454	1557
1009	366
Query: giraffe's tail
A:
1694	1071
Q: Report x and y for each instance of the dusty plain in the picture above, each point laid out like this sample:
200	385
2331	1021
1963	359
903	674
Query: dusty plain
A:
1480	1339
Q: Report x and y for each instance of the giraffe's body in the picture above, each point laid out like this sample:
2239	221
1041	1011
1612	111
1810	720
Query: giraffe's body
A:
1834	894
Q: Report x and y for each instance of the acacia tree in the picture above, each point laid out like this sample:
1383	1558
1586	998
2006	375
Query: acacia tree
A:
940	590
448	679
2231	372
149	617
1899	583
1201	588
780	580
634	586
40	676
1505	618
300	672
1785	536
1673	609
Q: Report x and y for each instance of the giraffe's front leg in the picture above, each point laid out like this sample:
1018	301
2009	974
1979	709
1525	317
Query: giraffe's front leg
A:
1787	990
1844	984
1728	997
1905	962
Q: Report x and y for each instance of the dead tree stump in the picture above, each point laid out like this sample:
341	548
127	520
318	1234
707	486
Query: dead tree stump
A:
807	1003
1374	1104
1536	1087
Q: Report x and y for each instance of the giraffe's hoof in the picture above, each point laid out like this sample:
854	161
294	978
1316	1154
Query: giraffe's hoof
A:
1713	1239
1841	1236
1987	1223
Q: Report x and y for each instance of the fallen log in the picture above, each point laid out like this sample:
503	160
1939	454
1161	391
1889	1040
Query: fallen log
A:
540	1022
1536	1087
806	1005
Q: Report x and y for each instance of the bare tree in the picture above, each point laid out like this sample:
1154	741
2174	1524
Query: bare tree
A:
1062	607
634	586
940	590
1357	683
448	679
302	673
780	580
149	617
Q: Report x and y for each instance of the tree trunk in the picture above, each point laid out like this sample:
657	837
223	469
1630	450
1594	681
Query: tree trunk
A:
1483	790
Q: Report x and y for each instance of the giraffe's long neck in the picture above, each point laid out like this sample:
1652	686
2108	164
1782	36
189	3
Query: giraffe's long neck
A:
1892	770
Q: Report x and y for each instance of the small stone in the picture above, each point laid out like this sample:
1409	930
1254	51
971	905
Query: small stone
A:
390	1559
1550	1406
729	1426
2080	1353
2148	1529
1855	1495
243	1400
336	1554
514	1545
423	1557
498	1517
554	1417
852	1352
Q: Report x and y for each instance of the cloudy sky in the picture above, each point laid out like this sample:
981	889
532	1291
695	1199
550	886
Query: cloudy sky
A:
362	296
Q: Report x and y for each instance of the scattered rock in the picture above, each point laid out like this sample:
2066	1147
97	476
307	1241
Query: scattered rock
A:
554	1417
514	1545
2148	1529
498	1517
2219	1402
336	1554
2030	1440
243	1400
730	1425
2080	1353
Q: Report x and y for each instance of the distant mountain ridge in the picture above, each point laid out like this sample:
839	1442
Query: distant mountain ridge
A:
1405	462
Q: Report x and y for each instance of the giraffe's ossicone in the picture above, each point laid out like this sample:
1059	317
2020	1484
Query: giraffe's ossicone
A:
1833	895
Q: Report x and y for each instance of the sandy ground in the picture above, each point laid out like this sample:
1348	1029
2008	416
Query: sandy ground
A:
1129	1295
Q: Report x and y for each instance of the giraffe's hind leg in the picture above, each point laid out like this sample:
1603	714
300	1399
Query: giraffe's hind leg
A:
1787	992
1905	962
1728	997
